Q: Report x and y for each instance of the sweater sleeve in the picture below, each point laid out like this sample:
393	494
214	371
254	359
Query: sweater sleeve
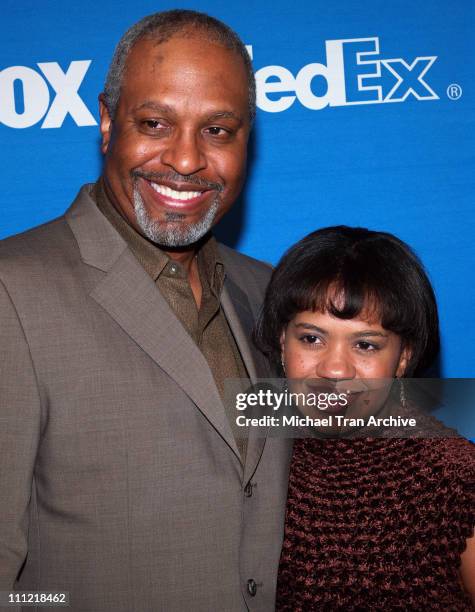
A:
461	465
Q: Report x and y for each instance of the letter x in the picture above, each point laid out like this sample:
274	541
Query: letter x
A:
67	100
409	79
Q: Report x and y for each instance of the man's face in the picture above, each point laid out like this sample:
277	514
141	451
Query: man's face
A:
175	154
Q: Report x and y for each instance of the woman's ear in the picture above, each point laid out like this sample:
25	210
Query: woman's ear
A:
282	341
282	350
404	359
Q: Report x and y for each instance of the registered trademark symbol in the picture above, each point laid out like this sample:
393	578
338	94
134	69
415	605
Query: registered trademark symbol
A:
454	91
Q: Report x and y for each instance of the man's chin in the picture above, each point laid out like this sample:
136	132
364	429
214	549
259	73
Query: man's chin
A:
174	233
167	237
175	230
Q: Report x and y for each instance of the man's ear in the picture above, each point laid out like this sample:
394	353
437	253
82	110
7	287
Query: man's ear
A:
105	124
404	359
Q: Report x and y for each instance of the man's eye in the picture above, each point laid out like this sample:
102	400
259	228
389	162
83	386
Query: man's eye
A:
217	131
153	124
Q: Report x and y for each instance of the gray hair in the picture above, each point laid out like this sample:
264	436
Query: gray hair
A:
161	27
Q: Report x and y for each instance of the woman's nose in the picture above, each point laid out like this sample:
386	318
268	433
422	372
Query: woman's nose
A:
335	364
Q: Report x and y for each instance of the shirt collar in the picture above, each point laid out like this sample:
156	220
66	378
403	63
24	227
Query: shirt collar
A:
153	259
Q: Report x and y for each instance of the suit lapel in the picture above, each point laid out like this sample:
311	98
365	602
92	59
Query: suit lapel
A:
241	321
131	298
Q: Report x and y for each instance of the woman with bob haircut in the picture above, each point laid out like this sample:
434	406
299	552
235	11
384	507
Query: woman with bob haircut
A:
372	523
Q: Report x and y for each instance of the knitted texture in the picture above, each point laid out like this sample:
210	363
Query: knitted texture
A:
377	524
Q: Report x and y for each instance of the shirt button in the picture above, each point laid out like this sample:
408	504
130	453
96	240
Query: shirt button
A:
251	587
248	490
173	269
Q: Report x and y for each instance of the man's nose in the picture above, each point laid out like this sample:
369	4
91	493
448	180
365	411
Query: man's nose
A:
184	153
336	364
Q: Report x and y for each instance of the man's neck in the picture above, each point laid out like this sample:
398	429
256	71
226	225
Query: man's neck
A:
185	256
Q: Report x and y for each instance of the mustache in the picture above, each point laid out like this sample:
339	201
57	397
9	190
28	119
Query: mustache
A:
176	177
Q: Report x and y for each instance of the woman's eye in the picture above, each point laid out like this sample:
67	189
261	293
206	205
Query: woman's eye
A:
309	339
366	346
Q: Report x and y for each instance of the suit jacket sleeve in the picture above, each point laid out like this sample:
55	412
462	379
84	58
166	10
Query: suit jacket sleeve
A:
19	435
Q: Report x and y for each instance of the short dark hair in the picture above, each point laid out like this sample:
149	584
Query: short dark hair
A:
163	26
369	270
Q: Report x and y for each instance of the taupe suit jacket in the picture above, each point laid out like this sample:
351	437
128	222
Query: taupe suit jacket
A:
120	479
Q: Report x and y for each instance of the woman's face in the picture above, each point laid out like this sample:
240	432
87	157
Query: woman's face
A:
319	345
354	356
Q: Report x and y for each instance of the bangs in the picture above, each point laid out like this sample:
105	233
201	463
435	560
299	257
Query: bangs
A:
359	287
347	301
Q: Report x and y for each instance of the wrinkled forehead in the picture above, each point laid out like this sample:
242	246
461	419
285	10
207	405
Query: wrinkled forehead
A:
182	49
191	69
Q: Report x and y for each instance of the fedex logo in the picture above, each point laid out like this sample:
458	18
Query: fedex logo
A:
353	74
25	96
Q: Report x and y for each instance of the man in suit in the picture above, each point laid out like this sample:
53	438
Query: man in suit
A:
123	479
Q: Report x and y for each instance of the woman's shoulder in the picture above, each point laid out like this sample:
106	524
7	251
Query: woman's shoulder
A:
450	463
437	441
442	444
438	447
455	455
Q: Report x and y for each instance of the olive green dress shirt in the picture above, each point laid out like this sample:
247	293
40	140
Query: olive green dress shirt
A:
207	325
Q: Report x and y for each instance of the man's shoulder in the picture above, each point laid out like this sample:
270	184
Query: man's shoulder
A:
36	243
45	250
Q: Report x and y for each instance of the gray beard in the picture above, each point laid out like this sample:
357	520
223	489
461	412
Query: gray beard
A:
173	231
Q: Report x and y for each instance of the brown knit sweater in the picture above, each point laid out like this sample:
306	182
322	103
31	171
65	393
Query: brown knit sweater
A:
377	524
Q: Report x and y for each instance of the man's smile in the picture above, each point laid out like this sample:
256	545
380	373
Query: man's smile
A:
175	194
177	197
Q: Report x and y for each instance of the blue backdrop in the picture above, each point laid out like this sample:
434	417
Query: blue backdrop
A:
366	115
